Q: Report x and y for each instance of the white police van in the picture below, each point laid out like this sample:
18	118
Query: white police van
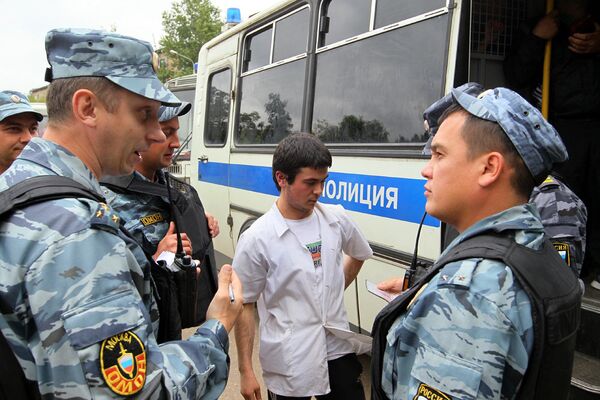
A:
358	74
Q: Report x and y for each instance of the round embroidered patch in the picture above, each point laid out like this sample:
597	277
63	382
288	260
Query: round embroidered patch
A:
123	363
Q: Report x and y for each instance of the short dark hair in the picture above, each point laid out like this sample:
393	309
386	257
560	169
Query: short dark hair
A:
296	151
484	136
60	95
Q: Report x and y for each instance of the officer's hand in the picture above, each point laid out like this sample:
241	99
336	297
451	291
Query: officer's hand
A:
547	27
213	225
585	43
169	242
221	307
393	285
249	387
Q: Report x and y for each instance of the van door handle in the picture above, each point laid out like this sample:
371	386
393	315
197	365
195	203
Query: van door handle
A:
203	158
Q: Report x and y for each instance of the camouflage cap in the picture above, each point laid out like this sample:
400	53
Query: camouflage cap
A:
166	113
125	61
535	139
432	114
13	103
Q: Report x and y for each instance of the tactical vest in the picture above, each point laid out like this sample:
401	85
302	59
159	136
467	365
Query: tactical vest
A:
188	214
13	384
555	296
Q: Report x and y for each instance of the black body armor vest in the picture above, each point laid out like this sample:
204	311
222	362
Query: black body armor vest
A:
555	296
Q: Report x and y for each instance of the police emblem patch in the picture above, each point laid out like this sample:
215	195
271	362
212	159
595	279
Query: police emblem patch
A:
564	251
426	392
123	363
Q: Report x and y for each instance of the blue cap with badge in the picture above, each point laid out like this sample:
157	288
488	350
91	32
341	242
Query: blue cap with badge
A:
13	103
128	62
535	139
166	113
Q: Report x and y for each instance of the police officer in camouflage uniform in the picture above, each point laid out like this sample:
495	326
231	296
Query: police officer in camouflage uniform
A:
469	332
564	217
148	217
77	304
18	124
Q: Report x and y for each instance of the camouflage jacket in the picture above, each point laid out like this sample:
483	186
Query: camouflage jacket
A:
469	333
146	217
564	217
77	305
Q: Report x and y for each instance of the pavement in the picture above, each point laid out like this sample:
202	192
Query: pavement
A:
232	390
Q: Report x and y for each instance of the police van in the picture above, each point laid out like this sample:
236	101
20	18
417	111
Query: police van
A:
358	74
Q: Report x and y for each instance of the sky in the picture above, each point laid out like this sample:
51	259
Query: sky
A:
24	23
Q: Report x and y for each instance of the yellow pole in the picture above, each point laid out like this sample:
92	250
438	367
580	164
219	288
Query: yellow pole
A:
546	77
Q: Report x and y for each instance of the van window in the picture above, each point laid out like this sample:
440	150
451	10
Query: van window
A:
390	11
343	19
258	49
291	35
217	113
271	104
374	90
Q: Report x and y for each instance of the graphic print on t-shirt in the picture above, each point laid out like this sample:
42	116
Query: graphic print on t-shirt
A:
315	252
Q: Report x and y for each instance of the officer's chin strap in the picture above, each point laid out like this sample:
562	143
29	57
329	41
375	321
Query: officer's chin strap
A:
409	274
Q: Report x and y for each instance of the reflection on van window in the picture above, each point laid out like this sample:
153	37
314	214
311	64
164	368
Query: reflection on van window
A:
271	104
354	104
258	50
344	19
291	35
217	114
391	11
185	121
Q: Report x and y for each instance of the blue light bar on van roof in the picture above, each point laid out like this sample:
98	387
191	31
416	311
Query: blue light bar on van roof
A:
233	16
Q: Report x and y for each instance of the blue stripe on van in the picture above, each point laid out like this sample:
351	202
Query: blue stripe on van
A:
396	198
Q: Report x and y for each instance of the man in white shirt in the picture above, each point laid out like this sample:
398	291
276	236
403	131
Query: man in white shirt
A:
291	262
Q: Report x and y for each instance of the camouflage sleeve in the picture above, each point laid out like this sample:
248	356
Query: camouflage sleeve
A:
467	335
90	336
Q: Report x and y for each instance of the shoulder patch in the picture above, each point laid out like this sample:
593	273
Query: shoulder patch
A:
105	218
426	392
564	251
123	363
458	273
548	183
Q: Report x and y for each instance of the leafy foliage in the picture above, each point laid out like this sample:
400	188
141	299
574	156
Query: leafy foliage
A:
187	26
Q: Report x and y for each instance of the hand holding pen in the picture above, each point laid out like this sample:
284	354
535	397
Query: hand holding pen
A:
228	301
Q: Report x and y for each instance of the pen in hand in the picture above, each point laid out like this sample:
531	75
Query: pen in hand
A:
231	295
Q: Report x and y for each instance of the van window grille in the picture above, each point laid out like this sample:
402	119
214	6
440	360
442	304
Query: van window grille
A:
494	24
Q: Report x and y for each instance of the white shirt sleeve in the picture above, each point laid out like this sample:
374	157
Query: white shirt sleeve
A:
354	243
250	265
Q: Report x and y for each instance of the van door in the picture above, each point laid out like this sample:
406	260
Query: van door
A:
211	148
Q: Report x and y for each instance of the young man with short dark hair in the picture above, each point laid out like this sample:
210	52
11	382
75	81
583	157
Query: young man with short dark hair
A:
291	262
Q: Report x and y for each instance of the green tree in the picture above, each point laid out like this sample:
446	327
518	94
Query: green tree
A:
187	25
